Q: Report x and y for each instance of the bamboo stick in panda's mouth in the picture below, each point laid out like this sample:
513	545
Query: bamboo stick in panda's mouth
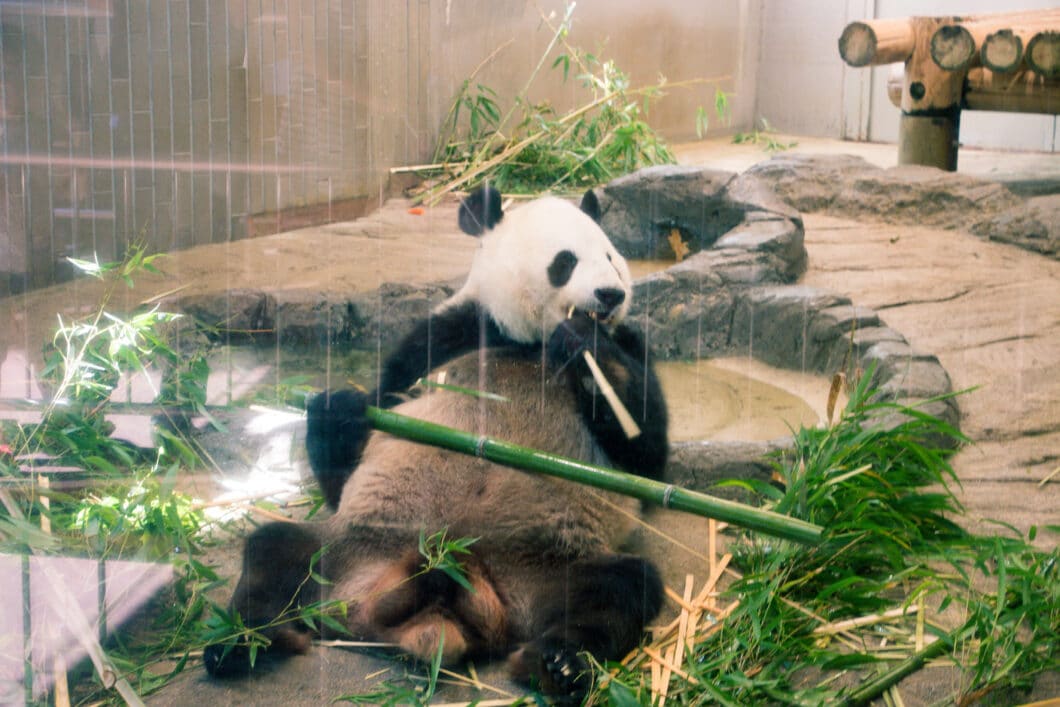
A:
628	424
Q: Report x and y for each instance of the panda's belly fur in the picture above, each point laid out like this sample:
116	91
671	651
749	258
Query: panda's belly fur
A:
405	484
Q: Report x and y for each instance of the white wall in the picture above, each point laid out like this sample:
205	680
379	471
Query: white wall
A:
678	39
805	88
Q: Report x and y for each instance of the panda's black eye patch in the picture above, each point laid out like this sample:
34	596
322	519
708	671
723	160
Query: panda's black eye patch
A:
561	268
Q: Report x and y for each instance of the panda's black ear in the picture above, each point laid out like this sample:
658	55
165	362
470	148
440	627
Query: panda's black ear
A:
480	211
591	205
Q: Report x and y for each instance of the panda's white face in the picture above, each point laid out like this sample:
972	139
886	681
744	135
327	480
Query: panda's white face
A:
540	261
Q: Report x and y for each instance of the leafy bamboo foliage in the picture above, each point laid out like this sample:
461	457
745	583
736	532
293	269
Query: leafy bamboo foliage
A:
766	137
884	497
529	147
124	504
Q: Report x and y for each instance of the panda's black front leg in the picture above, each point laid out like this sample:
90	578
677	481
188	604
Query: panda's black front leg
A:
336	426
623	359
336	432
434	341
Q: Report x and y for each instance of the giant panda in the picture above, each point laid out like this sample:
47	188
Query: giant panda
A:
547	579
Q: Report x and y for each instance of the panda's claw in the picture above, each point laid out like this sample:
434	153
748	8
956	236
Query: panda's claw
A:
554	667
566	676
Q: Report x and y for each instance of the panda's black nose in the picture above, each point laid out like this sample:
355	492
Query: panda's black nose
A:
610	297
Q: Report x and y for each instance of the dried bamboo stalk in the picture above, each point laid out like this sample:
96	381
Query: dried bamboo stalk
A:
840	626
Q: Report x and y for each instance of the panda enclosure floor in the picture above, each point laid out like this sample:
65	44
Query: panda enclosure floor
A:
989	311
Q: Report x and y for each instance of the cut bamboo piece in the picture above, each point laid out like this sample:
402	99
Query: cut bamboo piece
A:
676	655
952	47
629	425
1002	51
668	664
876	42
846	625
1043	54
657	492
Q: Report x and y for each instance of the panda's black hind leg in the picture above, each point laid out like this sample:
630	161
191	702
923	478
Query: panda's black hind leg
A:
600	606
336	432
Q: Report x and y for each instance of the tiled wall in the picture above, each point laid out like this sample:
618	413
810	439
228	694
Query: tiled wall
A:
172	120
176	121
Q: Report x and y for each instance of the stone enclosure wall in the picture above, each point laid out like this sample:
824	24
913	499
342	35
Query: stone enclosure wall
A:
734	295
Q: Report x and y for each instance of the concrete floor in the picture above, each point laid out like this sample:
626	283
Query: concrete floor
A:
1024	172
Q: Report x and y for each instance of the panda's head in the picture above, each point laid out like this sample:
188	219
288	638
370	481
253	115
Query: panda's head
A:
539	261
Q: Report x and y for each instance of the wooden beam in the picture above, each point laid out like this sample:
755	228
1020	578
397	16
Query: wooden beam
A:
1020	92
942	74
885	41
929	126
966	43
928	87
876	42
930	141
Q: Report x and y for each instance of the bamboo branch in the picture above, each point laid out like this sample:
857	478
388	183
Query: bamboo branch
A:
840	626
657	492
875	687
477	168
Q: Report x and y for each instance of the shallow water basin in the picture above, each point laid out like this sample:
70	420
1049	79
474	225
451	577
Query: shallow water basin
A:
733	399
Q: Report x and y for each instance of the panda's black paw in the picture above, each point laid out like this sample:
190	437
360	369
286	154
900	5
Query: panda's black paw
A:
567	677
232	660
226	661
572	336
336	431
556	668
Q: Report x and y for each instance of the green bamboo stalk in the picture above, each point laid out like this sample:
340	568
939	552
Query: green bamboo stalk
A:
657	492
878	685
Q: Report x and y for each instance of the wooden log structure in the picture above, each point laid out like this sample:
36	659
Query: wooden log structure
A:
1007	61
1002	51
876	42
1018	92
1043	54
